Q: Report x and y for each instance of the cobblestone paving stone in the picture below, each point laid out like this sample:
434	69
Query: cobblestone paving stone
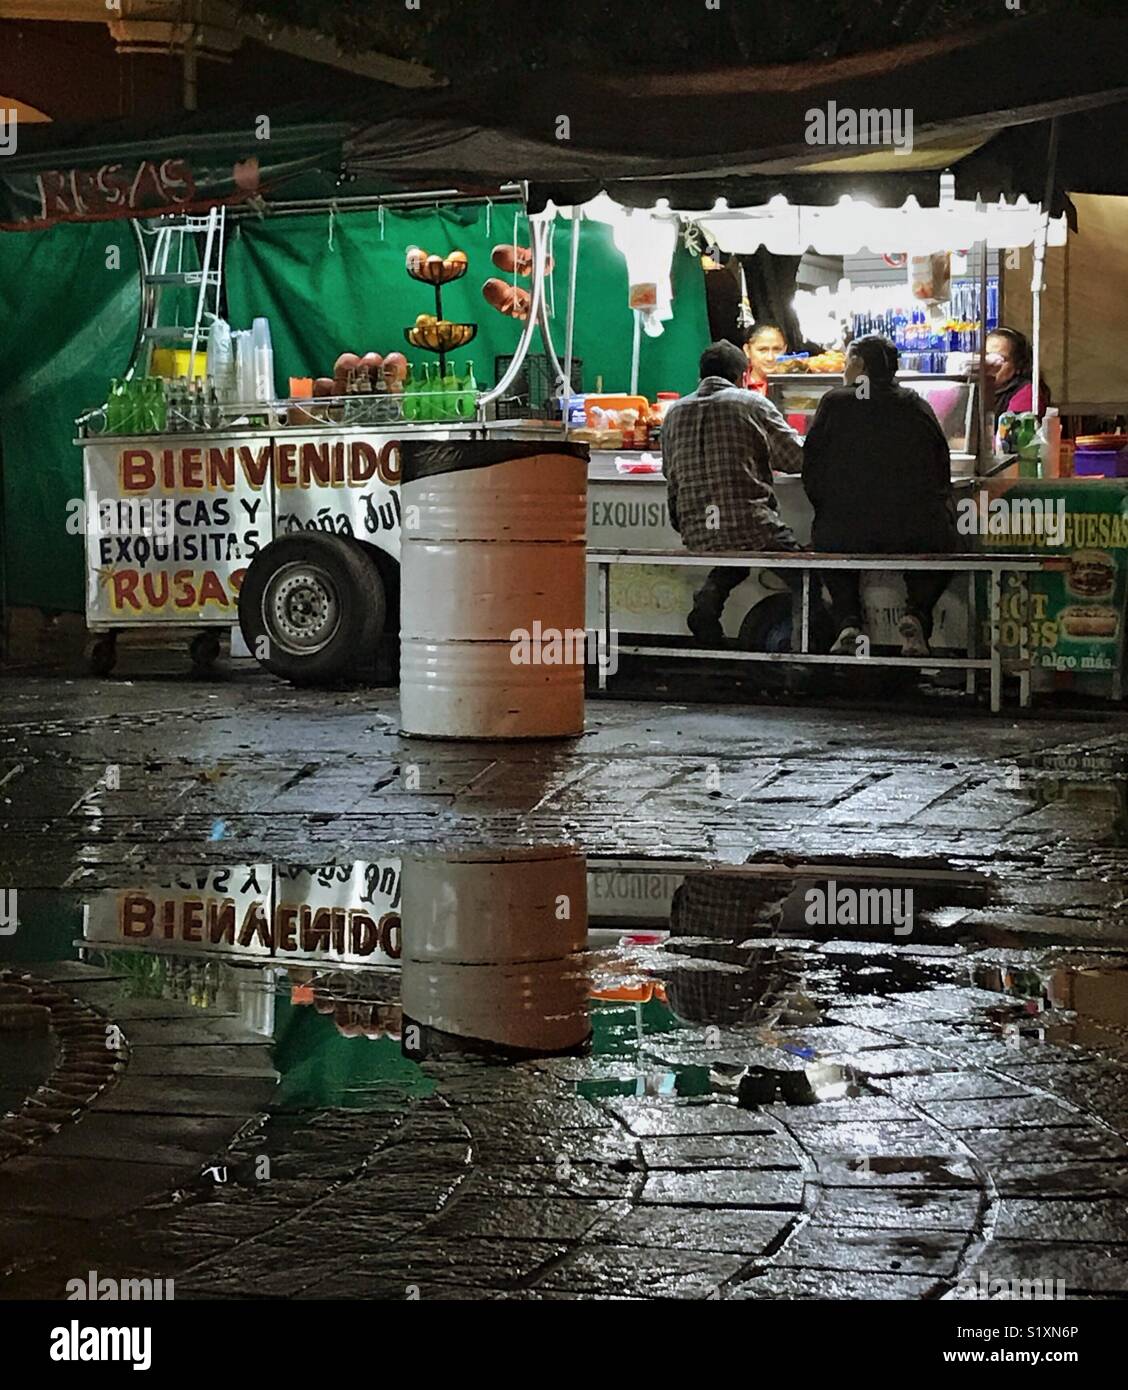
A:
971	1146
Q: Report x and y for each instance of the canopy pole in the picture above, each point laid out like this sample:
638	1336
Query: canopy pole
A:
984	450
1039	280
569	331
635	351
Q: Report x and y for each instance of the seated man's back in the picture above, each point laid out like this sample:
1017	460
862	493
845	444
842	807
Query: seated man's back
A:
878	467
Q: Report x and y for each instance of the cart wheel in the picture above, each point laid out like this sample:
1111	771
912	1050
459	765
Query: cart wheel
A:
101	655
204	650
767	626
312	607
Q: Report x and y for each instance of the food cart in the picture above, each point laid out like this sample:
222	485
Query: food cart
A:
281	516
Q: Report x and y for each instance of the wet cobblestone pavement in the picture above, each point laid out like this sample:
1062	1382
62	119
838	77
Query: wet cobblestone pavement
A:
685	1084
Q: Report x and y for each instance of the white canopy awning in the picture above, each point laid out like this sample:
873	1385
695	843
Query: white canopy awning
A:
853	225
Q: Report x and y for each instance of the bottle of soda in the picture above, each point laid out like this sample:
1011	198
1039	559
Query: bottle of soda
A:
410	395
113	407
160	405
467	397
451	394
428	404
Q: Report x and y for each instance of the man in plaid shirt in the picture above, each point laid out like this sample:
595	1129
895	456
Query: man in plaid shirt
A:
719	447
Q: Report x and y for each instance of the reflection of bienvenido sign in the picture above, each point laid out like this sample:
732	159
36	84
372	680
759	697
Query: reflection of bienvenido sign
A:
339	915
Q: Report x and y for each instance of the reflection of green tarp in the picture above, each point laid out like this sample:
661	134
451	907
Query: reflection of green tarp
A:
321	1069
355	295
74	322
70	323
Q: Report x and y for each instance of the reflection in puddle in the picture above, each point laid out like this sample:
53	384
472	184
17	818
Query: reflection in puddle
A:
365	976
1084	1004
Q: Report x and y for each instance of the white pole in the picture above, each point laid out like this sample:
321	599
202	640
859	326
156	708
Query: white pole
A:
1036	308
569	332
635	351
986	449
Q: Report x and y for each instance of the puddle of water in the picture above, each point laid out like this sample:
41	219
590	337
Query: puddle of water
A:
1083	1004
366	977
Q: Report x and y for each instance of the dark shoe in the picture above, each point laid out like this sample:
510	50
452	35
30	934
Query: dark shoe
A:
706	627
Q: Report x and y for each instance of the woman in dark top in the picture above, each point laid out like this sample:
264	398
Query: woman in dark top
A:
877	470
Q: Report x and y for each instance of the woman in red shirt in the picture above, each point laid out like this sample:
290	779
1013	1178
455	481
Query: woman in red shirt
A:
763	344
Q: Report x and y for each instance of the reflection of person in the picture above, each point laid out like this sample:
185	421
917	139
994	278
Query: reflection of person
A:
730	910
878	473
719	447
1010	373
763	344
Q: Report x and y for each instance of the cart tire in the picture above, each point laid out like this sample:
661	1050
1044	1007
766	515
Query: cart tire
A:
311	608
101	655
767	625
204	651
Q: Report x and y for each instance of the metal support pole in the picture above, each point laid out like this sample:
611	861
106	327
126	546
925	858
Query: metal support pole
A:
570	329
1040	240
986	450
972	635
1023	640
996	607
635	352
605	620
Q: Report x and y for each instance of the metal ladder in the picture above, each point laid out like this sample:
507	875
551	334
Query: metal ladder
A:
162	264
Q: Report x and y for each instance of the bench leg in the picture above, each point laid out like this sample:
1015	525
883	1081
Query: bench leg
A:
805	643
996	607
972	635
604	657
1023	640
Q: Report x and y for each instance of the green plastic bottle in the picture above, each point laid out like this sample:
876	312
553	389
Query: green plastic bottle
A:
113	407
410	395
432	394
451	396
468	395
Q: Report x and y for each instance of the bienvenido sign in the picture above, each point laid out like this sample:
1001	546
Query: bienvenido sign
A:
227	496
317	462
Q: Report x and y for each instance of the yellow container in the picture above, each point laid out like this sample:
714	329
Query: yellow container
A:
173	362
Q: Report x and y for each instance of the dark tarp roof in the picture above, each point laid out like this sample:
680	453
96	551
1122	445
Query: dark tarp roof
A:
741	133
979	104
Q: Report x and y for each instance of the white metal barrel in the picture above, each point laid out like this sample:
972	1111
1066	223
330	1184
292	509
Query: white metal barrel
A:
492	588
493	947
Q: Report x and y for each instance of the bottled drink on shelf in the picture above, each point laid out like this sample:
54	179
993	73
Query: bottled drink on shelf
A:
450	393
468	395
410	395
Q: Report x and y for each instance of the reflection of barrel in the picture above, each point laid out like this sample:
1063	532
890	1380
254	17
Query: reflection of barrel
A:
492	945
492	589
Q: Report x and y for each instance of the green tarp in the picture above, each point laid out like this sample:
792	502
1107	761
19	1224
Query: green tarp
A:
327	285
339	285
68	324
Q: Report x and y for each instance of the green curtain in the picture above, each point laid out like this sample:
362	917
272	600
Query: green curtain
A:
333	284
68	306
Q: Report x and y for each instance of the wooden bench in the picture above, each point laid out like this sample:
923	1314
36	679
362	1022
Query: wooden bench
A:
809	561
